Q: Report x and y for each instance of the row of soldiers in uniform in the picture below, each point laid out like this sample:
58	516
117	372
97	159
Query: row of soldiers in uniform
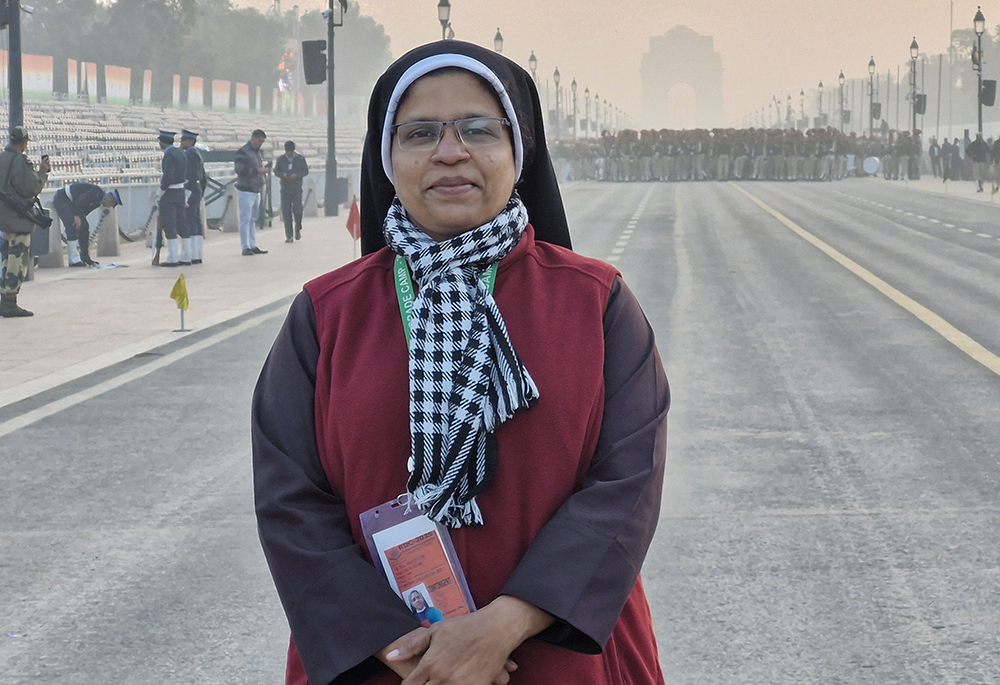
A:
724	154
182	186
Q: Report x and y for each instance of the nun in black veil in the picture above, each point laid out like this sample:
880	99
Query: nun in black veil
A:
518	398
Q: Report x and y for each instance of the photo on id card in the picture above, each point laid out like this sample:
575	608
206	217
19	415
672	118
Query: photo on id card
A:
417	557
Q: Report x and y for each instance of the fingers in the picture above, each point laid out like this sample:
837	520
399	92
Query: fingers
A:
410	645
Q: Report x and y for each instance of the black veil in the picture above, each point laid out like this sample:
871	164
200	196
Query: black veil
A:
537	184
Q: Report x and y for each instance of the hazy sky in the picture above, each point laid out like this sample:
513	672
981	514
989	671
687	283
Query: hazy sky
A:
767	46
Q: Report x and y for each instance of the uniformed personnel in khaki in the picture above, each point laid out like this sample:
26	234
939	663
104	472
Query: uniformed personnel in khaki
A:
22	184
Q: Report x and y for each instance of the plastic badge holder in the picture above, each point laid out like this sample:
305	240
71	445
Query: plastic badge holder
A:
417	557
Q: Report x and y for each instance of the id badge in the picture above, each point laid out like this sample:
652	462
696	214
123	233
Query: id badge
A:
418	558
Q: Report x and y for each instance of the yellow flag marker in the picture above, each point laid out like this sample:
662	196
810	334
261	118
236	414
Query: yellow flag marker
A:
179	293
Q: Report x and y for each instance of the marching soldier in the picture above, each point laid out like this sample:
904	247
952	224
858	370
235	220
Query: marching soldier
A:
172	181
195	180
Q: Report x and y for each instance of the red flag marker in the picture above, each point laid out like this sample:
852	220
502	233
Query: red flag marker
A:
354	220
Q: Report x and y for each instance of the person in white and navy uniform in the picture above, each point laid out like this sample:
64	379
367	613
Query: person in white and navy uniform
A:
194	189
73	202
172	181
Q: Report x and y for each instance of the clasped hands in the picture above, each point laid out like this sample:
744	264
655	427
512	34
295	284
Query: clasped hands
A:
467	650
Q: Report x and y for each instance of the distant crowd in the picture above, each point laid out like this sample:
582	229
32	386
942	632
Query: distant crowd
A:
821	154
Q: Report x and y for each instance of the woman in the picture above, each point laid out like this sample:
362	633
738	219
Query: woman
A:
426	615
528	416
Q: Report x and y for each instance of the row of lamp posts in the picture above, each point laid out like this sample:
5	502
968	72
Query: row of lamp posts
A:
444	17
917	102
557	79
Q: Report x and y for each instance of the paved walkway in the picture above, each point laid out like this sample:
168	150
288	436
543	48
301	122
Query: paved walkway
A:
960	189
87	319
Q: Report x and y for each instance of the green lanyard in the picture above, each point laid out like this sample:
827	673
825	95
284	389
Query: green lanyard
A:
406	294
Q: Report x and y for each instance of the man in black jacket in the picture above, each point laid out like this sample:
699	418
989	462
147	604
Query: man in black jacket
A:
291	167
194	188
73	203
979	151
250	177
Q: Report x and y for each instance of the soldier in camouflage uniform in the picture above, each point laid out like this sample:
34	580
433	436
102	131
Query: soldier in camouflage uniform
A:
21	183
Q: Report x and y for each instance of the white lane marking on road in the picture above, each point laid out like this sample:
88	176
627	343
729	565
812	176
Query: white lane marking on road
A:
71	373
934	221
921	216
934	321
965	230
949	225
629	229
56	406
909	213
984	235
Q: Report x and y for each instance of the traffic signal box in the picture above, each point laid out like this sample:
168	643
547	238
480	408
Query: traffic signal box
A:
989	93
314	60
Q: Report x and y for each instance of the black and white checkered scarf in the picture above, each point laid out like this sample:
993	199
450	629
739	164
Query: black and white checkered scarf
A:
465	376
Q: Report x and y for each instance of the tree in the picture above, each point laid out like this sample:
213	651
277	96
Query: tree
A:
208	38
361	48
62	28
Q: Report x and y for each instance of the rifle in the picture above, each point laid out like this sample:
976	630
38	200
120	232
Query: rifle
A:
158	240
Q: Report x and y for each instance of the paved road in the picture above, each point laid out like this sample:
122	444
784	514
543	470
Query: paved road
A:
831	511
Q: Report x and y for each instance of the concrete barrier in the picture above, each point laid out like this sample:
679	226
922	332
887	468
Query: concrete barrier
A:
53	259
309	198
107	233
230	220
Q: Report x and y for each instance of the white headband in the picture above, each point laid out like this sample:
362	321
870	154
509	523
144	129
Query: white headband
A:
433	63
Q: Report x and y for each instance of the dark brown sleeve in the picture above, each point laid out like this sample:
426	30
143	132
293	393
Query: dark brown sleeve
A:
584	562
340	608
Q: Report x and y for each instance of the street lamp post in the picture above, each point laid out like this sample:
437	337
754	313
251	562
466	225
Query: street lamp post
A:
556	77
802	106
586	100
532	66
576	132
334	17
821	103
597	114
14	79
444	16
979	22
788	112
914	53
871	97
840	82
498	42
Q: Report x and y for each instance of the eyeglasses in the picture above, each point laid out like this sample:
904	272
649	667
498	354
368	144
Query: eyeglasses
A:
423	136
